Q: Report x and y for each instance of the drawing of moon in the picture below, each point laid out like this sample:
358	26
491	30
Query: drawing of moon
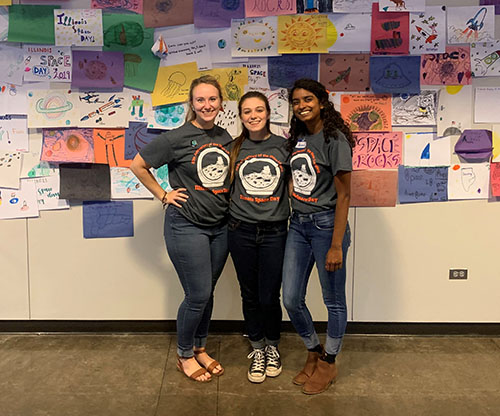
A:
53	106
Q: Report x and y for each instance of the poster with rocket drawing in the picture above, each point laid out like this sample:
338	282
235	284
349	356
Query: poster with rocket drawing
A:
469	24
97	109
485	59
428	31
345	72
449	68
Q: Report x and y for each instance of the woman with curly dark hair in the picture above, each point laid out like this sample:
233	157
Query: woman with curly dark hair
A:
321	165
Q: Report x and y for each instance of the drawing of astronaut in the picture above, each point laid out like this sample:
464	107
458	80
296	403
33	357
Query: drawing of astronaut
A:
212	167
260	176
303	173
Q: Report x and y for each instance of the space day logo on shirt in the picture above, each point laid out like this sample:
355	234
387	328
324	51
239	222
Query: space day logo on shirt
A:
304	174
260	175
212	167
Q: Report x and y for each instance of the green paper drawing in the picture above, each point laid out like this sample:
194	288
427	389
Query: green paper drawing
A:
31	24
126	33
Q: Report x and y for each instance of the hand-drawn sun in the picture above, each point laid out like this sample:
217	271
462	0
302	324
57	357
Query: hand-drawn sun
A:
301	33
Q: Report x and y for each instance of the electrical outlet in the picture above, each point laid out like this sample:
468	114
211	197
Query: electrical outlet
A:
458	274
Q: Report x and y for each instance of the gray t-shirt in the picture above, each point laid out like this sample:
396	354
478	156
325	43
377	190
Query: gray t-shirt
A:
314	163
259	191
198	160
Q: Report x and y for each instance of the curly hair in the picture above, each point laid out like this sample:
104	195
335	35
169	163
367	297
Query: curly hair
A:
245	134
332	120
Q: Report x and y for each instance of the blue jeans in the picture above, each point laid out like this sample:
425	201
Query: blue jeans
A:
309	239
257	251
198	254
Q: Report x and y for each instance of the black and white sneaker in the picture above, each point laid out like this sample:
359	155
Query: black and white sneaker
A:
257	370
273	361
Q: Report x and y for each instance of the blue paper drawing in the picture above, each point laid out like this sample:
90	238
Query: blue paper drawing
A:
395	74
108	219
427	184
285	69
136	137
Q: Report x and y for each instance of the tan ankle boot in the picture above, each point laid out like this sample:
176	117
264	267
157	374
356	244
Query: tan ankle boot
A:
323	376
308	370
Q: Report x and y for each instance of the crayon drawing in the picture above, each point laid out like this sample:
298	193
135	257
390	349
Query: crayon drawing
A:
68	145
136	137
99	109
232	80
167	117
47	63
428	30
138	104
95	69
132	5
125	185
469	24
449	68
302	34
52	108
254	37
366	112
485	59
109	147
390	32
414	109
345	72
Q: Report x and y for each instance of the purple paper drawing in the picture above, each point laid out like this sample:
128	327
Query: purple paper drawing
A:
475	145
217	13
95	69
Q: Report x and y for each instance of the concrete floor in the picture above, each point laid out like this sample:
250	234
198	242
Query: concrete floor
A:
135	375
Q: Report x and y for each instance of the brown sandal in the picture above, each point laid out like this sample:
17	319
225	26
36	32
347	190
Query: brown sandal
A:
194	376
211	366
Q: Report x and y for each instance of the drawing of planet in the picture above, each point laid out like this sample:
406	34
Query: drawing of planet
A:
53	106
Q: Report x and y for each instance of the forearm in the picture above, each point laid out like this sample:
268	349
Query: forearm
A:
340	222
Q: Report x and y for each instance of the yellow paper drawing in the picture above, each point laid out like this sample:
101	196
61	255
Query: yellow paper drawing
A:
303	34
172	83
232	81
496	142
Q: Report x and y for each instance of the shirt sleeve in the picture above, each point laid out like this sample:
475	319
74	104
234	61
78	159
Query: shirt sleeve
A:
159	151
340	154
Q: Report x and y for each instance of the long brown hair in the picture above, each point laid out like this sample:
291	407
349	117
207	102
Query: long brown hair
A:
204	79
332	120
245	134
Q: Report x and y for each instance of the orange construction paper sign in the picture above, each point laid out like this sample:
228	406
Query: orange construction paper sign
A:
109	147
367	112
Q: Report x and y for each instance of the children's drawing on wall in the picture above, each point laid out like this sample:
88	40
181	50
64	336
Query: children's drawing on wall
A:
11	64
313	6
345	72
374	188
138	104
469	181
366	112
172	83
260	8
167	117
10	169
79	27
132	5
449	68
285	69
425	149
124	185
377	150
95	69
428	30
486	105
13	99
228	117
14	134
302	34
109	147
52	108
183	49
254	37
390	32
102	109
401	5
469	24
68	145
136	137
475	145
352	6
349	32
160	13
19	203
232	80
108	219
422	184
414	109
161	176
485	59
209	13
454	110
257	73
47	63
48	193
4	23
395	74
